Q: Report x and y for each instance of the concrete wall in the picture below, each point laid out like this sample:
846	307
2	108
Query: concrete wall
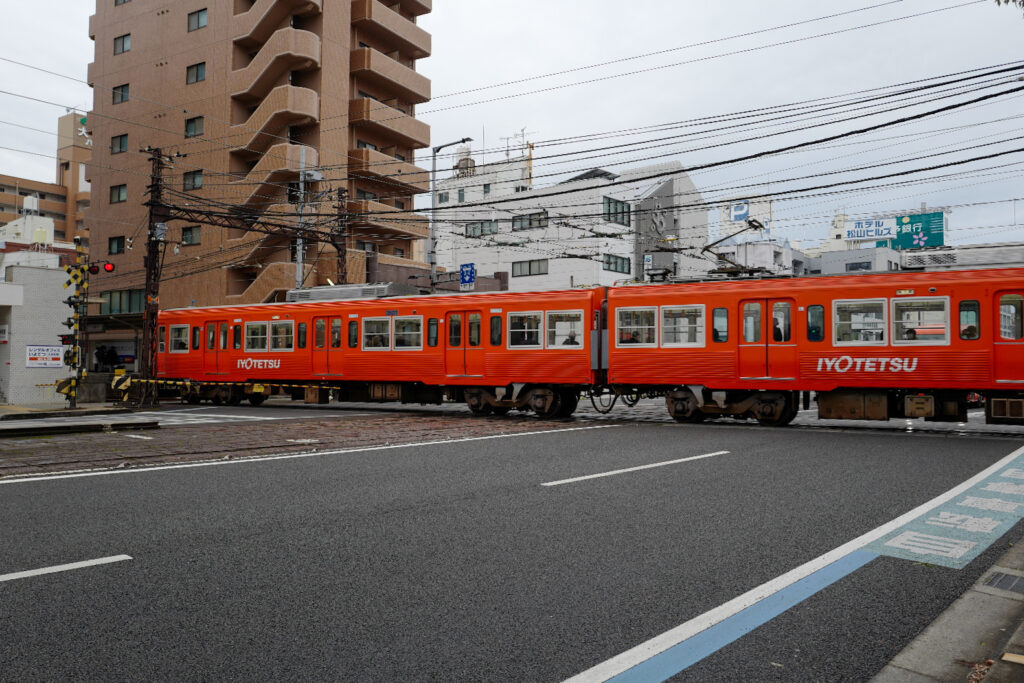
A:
36	321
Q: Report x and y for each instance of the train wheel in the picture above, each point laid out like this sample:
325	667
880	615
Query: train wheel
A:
683	407
787	415
256	400
553	409
481	409
570	399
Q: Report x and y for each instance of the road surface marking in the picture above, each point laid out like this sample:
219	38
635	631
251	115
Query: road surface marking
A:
63	567
289	456
137	436
633	469
678	648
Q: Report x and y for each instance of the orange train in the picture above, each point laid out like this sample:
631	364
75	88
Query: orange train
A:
878	346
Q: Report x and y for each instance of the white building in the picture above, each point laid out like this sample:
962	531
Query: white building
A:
597	228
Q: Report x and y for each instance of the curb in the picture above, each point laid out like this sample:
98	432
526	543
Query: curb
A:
51	429
64	413
977	627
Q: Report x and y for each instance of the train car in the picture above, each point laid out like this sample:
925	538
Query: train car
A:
869	347
496	351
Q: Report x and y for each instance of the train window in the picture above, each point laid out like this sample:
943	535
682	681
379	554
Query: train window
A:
720	325
455	329
236	337
336	334
524	330
638	326
476	325
353	333
682	326
179	338
224	336
197	338
377	334
565	329
1011	316
282	336
211	336
301	338
432	332
163	339
860	322
496	330
752	322
320	333
782	321
920	321
970	320
409	333
255	336
815	323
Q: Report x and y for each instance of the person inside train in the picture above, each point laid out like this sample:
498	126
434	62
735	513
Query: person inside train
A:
910	334
777	331
570	339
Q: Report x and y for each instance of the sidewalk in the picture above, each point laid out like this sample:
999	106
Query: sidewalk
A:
24	412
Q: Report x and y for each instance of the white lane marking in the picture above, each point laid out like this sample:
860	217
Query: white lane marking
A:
289	456
633	469
63	567
644	651
137	436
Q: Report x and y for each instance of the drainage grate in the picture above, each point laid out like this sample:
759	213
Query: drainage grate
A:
1006	582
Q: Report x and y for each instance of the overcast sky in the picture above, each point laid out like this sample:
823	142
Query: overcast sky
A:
482	43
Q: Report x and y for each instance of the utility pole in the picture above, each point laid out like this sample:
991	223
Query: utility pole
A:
432	246
300	245
339	237
156	245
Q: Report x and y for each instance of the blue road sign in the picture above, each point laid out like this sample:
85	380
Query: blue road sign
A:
468	273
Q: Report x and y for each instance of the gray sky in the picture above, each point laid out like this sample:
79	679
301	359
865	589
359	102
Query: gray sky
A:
481	43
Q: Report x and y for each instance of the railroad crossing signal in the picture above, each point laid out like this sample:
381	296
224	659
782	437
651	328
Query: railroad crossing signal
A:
76	276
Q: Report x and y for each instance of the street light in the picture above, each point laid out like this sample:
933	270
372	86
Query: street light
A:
432	253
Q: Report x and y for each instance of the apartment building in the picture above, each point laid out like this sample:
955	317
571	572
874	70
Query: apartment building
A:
63	201
253	93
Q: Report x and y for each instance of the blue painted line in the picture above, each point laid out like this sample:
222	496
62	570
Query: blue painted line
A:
687	653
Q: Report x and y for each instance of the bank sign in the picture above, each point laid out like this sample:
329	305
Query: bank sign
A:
920	230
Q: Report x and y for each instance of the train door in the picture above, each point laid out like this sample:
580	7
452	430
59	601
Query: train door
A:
214	356
327	345
464	349
1009	336
782	353
767	348
752	343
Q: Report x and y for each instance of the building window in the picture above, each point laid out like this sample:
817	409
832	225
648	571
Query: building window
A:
197	20
121	93
119	144
121	2
362	245
462	195
487	188
530	221
400	157
191	234
122	43
194	126
442	197
195	73
522	188
115	245
118	194
481	228
397	251
366	196
126	301
193	180
363	144
367	96
399	204
524	268
616	211
616	264
858	265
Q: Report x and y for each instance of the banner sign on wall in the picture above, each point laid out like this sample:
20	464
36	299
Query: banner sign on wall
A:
44	356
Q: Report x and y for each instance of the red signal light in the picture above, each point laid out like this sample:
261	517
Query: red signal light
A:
109	267
94	269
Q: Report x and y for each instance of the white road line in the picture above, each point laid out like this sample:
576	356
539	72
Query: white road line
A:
63	567
644	651
633	469
288	456
137	436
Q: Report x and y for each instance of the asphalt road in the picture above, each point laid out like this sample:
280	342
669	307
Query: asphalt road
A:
453	561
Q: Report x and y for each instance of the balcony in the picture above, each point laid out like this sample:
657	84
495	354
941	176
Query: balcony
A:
286	105
417	7
380	21
287	50
254	26
388	122
92	26
372	217
280	164
376	67
270	280
399	176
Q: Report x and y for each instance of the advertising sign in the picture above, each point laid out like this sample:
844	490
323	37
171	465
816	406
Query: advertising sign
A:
872	229
40	356
920	230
